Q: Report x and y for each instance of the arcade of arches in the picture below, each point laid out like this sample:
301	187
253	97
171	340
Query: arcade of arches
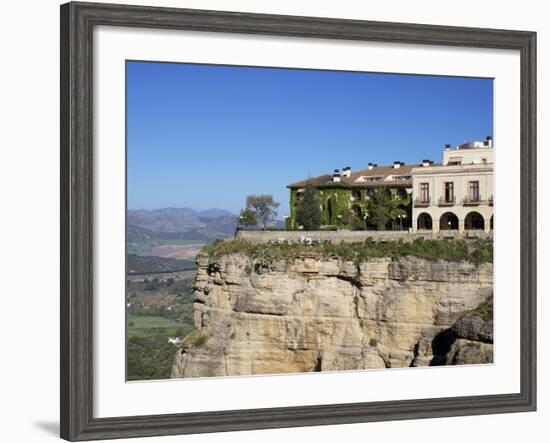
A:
449	221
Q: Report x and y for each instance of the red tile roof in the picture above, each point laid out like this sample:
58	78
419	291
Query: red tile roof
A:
325	181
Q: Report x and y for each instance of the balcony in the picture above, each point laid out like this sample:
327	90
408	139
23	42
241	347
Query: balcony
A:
446	201
422	202
473	201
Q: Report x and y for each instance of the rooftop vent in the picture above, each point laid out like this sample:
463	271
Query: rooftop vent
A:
372	165
489	141
347	171
427	163
336	176
447	147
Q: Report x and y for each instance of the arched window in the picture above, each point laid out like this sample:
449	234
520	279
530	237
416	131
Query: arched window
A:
401	194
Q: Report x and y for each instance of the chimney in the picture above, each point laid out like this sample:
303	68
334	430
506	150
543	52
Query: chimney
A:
447	147
427	163
336	176
347	171
397	164
489	141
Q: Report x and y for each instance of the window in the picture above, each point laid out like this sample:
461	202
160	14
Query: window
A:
373	179
400	177
449	192
455	161
401	194
425	192
474	191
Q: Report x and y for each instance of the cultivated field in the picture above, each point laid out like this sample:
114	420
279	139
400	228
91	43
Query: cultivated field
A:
185	252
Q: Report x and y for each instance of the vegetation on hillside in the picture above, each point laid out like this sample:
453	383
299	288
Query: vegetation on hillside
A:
476	252
150	357
158	308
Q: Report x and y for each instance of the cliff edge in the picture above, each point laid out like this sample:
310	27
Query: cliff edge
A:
313	313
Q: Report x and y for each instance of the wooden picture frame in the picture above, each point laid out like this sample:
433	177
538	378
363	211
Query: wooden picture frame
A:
77	23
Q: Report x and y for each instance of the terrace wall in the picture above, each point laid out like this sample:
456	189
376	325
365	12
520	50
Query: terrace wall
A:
354	236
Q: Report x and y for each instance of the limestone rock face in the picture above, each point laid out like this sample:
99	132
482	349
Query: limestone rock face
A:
473	337
467	352
313	314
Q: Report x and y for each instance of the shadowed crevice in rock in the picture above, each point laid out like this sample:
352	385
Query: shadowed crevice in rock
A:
352	280
441	346
318	364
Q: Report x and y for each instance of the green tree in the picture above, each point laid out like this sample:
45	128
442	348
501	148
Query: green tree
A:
349	219
247	217
358	223
264	207
380	208
308	213
401	208
345	218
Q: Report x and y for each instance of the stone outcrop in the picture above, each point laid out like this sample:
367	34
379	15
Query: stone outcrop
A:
470	339
313	314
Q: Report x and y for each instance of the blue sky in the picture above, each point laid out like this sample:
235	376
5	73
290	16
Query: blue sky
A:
205	136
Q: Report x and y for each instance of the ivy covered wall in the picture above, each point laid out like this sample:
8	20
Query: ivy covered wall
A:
338	201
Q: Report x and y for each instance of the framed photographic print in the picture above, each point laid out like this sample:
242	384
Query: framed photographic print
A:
273	221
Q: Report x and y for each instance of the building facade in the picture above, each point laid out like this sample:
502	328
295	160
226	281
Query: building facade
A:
457	194
339	193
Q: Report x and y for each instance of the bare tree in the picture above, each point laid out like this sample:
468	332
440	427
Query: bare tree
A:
264	207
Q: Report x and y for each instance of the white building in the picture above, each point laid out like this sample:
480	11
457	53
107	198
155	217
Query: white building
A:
457	194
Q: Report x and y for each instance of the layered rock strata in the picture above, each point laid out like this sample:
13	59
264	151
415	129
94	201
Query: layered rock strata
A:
327	314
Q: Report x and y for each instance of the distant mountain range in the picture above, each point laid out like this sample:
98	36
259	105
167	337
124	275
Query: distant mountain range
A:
180	224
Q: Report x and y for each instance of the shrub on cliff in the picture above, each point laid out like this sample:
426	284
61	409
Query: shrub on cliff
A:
449	250
194	339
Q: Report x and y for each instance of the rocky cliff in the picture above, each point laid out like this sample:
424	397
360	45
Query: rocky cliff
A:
328	314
